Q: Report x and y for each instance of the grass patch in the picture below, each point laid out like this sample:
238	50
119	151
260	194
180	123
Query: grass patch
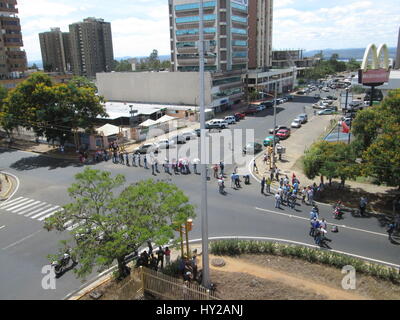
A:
234	247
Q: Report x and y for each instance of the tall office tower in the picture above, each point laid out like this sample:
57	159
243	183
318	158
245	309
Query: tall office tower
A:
225	32
55	51
91	47
397	63
12	59
260	33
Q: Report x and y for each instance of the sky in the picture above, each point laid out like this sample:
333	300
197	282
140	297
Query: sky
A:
139	26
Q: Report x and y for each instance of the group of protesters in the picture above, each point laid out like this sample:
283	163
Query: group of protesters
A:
154	261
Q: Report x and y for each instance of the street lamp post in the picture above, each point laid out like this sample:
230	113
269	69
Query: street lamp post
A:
203	153
274	134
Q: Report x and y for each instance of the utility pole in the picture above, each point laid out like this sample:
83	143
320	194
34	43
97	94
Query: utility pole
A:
204	160
273	140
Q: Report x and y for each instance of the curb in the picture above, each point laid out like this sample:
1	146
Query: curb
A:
10	188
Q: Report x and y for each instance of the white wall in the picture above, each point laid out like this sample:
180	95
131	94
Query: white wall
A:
153	87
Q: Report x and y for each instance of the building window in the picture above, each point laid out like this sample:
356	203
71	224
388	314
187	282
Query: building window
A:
239	54
238	6
239	19
194	31
207	17
239	43
191	6
239	31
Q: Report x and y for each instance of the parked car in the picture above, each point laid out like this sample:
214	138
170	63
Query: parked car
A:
178	139
189	135
269	141
317	96
251	110
283	134
239	116
301	92
326	111
261	107
332	97
165	144
296	123
198	132
268	104
252	148
289	97
216	124
277	128
325	89
147	148
230	119
303	117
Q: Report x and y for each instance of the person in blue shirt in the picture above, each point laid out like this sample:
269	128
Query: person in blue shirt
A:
314	226
313	215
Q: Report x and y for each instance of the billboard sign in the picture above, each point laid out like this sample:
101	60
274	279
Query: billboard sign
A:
377	71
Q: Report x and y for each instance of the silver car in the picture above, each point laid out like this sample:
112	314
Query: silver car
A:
296	123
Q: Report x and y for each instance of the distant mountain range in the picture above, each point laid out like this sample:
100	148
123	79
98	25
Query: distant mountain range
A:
39	63
355	53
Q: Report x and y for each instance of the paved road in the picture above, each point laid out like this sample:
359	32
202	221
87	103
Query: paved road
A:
24	244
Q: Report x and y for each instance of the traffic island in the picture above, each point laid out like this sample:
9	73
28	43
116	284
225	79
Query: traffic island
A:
7	186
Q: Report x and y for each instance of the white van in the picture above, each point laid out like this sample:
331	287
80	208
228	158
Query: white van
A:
216	124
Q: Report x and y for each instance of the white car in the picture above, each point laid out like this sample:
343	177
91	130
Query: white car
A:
296	123
230	119
178	139
189	135
165	144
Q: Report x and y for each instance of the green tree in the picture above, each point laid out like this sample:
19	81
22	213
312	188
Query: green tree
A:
53	110
377	132
122	66
353	65
82	82
111	226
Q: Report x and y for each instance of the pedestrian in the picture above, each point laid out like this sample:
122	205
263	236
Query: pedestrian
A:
311	196
167	254
303	195
363	205
160	257
139	159
314	226
193	263
322	223
255	168
156	165
145	162
390	230
152	168
232	179
278	200
150	247
313	214
221	166
281	183
262	185
237	181
215	168
145	259
153	262
277	172
268	184
293	199
121	158
271	174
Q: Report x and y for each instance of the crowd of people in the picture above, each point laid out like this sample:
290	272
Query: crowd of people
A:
154	261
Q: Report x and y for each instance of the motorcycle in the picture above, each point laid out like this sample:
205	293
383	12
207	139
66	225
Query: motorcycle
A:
338	213
61	265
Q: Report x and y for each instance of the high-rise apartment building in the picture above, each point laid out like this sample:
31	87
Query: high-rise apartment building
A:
397	63
12	59
91	47
55	51
260	33
225	32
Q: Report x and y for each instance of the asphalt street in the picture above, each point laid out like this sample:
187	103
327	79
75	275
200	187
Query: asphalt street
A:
24	244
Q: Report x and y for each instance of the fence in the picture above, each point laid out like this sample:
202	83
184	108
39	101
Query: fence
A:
168	288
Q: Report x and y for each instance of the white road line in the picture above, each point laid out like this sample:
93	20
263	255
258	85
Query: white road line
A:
16	188
298	243
23	239
44	212
9	202
19	205
2	227
24	209
42	205
9	205
50	214
332	224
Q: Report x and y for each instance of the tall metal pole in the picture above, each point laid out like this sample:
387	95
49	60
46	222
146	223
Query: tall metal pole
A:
273	150
204	160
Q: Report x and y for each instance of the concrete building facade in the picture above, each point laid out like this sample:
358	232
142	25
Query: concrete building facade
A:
91	47
13	61
54	46
225	32
260	33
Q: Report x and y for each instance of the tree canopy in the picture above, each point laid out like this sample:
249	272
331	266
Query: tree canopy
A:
52	110
377	132
112	225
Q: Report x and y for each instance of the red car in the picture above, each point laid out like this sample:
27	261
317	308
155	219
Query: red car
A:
283	134
239	115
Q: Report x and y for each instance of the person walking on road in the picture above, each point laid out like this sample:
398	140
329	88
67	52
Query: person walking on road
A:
222	166
268	184
139	158
215	169
255	168
277	200
303	195
390	231
262	185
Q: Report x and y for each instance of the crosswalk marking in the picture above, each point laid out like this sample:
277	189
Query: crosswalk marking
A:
25	208
11	201
7	205
42	205
36	210
19	205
